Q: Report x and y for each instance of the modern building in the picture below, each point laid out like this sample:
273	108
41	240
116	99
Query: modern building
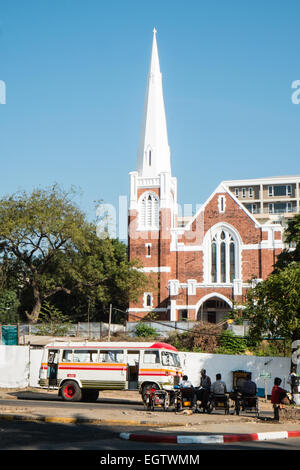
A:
270	200
199	270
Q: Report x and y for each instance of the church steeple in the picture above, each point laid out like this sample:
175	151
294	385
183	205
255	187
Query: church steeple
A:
154	152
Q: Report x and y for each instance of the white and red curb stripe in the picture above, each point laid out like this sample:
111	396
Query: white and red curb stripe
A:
209	439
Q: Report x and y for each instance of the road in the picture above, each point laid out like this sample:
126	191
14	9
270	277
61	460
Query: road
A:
104	439
16	435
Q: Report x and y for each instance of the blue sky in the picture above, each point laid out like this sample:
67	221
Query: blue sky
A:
75	74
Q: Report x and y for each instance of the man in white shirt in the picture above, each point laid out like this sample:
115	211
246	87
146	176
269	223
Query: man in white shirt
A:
218	387
185	383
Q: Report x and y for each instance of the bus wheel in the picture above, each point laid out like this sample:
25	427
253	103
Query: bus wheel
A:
90	395
70	391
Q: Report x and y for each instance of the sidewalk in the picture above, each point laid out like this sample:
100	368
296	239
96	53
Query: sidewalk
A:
160	425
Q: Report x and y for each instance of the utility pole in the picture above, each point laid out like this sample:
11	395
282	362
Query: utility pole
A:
109	321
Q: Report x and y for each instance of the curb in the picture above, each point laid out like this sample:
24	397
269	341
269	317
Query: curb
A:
71	420
210	439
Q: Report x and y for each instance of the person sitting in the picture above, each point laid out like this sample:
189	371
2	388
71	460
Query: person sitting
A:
279	395
189	391
218	387
249	387
185	382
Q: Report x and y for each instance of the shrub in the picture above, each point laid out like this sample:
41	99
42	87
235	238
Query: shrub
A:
53	323
204	337
144	330
231	344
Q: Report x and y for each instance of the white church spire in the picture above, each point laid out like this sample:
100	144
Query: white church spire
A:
154	152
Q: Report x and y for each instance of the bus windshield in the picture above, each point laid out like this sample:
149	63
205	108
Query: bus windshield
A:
170	359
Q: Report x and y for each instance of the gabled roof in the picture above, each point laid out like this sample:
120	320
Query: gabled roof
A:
221	188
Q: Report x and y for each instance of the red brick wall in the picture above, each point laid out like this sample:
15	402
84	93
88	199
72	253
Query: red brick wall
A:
186	265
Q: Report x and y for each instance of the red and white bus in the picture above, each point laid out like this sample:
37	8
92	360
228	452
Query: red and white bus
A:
81	369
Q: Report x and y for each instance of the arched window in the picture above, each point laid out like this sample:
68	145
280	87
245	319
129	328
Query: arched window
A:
223	257
149	211
148	300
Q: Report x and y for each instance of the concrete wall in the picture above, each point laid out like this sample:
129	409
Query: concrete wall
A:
19	367
224	364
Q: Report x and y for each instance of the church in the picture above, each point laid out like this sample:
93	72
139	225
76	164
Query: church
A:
202	269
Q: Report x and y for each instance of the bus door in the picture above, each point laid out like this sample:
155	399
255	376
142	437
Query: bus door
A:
53	355
133	362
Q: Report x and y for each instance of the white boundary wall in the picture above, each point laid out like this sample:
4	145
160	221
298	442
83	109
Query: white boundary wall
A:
224	364
19	367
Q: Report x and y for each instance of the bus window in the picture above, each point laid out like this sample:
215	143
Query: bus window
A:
85	355
151	357
67	355
111	355
170	359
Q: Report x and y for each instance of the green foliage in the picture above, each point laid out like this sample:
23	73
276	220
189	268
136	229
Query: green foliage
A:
49	251
292	237
9	304
231	344
53	322
271	348
144	331
273	306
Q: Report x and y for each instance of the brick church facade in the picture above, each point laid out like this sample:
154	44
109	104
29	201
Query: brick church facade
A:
199	271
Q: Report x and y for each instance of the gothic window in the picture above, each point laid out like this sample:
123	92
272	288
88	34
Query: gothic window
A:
223	257
148	300
148	250
149	211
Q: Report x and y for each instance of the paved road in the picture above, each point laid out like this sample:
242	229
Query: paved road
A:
44	436
104	439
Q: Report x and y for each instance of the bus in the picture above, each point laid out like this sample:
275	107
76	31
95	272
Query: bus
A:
80	370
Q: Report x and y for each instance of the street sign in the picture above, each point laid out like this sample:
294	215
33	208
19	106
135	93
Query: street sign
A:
9	334
266	375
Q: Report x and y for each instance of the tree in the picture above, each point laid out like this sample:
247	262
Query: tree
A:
292	237
273	306
49	249
9	304
34	230
102	274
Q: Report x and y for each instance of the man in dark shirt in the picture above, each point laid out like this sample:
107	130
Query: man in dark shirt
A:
249	387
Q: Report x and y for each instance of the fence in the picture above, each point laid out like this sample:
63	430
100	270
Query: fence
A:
82	329
99	330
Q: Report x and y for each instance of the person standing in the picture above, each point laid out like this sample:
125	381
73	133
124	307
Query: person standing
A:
291	379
